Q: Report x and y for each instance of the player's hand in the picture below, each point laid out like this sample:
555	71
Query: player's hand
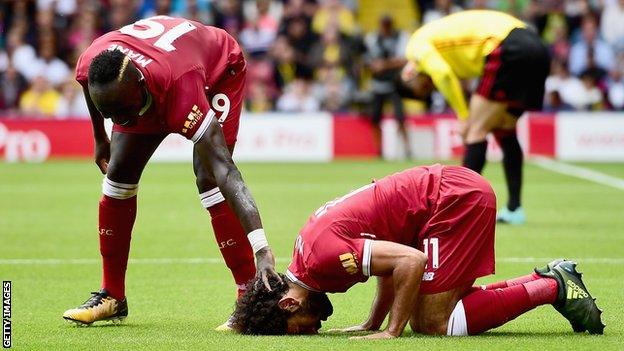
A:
382	335
102	155
265	265
356	328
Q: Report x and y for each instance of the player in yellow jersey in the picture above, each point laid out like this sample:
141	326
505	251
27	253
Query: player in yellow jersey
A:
511	63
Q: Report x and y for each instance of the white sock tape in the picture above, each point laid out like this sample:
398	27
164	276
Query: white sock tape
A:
258	240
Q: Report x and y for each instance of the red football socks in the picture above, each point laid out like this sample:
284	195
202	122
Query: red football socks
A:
487	309
512	282
233	243
115	226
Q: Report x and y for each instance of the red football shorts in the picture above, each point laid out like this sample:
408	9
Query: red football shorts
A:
459	237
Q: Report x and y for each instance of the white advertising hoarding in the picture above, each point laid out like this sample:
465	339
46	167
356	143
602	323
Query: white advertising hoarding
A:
590	136
268	137
304	137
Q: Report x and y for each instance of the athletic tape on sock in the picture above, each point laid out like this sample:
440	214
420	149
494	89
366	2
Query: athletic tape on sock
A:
258	240
120	191
457	325
211	197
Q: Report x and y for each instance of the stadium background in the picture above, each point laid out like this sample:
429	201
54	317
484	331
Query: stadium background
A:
308	99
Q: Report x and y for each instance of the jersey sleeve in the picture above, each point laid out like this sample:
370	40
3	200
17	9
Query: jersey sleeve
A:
189	113
340	263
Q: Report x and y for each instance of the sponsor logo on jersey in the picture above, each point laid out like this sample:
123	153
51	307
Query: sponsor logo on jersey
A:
349	263
192	118
575	291
428	276
136	57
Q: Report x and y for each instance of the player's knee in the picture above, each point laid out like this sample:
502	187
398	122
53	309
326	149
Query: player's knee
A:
211	197
475	133
120	191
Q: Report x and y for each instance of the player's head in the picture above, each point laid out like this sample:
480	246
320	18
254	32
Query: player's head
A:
286	309
117	87
413	83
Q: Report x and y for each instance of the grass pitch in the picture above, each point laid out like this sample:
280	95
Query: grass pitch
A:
178	289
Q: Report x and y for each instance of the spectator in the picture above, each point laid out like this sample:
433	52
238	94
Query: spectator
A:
48	65
257	98
255	39
61	7
593	98
298	95
601	53
385	57
441	8
12	84
22	55
563	91
333	90
72	103
612	23
228	15
333	12
560	46
331	51
285	64
615	85
301	38
266	15
40	99
84	29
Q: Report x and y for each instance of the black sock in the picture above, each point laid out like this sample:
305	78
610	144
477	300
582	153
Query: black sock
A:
512	164
474	156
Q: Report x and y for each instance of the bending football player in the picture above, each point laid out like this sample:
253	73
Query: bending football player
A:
427	233
154	77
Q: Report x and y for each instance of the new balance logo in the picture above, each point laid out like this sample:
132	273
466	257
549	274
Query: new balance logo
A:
575	291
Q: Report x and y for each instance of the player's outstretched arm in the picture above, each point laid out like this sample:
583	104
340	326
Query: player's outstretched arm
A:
213	152
102	143
405	265
379	309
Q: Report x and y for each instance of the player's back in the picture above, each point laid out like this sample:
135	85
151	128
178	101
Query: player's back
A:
164	48
393	208
464	39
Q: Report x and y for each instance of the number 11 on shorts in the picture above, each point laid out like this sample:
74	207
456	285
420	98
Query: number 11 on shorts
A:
434	259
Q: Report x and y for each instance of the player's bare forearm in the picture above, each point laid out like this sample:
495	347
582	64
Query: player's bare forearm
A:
214	153
99	133
381	304
406	266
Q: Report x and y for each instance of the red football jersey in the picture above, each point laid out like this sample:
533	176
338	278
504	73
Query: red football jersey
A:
332	252
181	60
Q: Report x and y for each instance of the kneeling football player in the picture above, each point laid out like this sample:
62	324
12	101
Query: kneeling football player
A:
427	233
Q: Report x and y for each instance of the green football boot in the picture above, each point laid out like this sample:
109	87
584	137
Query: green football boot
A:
573	299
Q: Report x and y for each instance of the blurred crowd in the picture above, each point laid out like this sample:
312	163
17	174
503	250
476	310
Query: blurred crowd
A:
304	55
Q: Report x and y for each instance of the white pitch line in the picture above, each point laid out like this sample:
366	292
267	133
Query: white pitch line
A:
579	172
215	260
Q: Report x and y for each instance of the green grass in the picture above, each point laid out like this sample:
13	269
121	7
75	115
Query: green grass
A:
50	211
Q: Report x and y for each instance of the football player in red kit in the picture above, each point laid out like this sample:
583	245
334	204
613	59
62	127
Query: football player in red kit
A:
158	76
427	233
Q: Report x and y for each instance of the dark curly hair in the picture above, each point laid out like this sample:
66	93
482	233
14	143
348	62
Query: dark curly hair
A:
105	66
257	311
